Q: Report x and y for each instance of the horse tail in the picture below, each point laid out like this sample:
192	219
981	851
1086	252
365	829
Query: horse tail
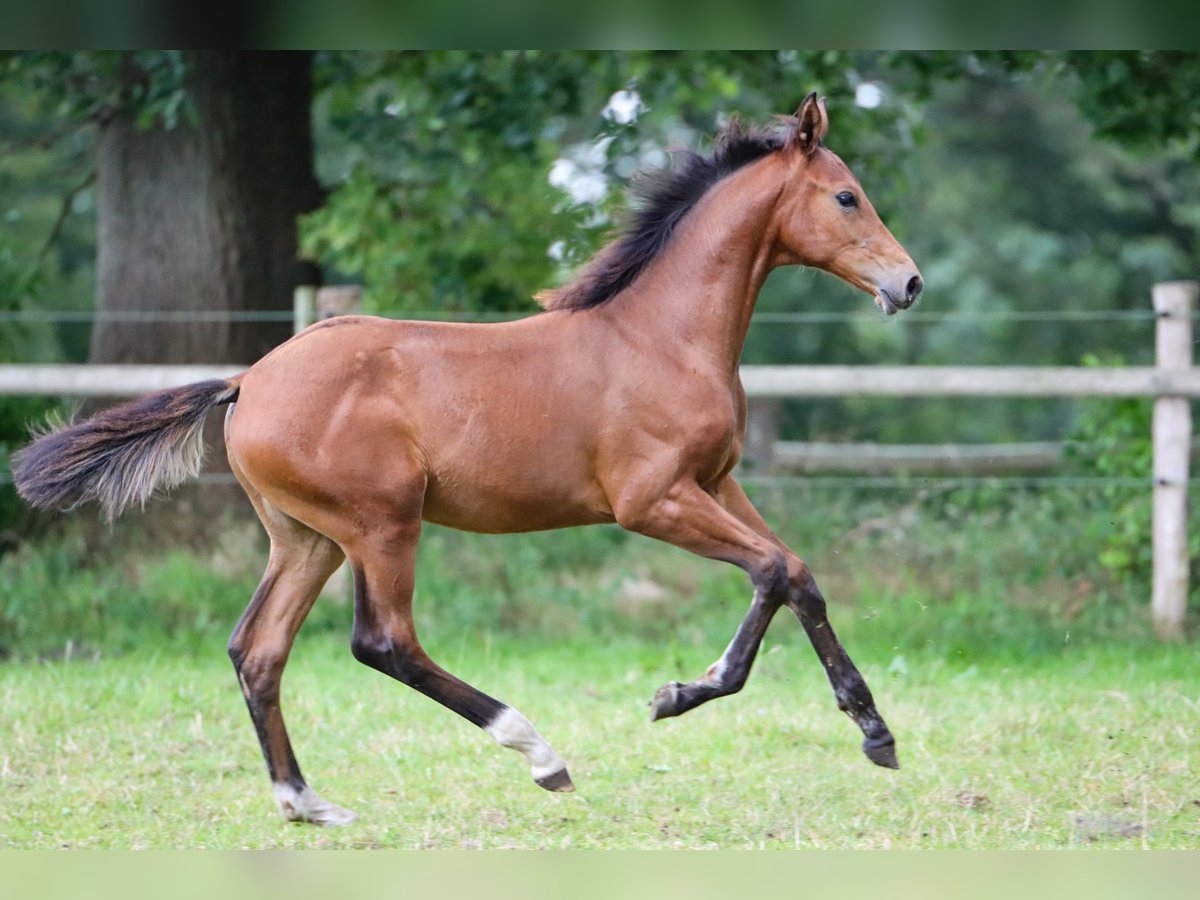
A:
124	454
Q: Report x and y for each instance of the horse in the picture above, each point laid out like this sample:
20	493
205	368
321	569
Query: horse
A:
619	402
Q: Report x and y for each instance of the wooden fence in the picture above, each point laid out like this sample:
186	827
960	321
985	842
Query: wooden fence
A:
1172	382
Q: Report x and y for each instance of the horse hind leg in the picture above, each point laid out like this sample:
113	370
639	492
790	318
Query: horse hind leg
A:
301	561
385	639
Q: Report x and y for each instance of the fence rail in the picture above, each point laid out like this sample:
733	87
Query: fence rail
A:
759	381
968	381
103	381
818	458
1172	383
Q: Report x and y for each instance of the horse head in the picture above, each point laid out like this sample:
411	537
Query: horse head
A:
826	220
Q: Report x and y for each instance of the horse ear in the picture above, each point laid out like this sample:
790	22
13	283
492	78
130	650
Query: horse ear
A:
812	124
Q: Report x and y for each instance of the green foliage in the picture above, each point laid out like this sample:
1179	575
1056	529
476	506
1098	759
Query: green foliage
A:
1133	96
47	236
439	161
83	87
1112	439
965	574
959	574
107	596
16	413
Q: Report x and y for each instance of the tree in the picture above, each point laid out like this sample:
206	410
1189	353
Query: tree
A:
200	214
203	161
436	166
438	162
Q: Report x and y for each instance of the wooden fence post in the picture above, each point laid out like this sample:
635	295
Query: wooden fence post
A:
304	307
338	300
762	434
1172	433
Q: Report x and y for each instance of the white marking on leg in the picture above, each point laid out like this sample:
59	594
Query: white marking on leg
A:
307	806
715	674
513	730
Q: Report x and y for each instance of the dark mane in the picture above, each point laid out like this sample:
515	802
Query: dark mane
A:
660	200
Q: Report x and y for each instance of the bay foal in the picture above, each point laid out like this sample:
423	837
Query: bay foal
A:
621	402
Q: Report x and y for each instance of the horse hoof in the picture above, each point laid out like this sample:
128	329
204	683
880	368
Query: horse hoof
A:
305	805
666	702
330	814
559	782
882	751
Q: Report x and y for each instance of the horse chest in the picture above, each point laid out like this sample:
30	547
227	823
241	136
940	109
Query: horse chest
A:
705	438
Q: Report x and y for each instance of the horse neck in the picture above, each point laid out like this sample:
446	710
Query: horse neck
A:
698	296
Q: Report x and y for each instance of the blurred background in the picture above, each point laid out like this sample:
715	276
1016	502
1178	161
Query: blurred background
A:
162	207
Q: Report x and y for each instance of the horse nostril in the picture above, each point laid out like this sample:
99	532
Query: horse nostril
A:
913	288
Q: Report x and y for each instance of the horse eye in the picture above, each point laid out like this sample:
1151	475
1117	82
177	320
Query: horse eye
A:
847	200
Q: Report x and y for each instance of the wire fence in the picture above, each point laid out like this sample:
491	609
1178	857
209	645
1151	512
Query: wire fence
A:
53	316
882	482
948	483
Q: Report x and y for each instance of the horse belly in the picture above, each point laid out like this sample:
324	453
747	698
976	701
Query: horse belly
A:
495	494
505	515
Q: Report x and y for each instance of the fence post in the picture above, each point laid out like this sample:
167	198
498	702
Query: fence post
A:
762	433
338	300
1172	433
304	307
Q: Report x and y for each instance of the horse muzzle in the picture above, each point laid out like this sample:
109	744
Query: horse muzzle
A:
892	300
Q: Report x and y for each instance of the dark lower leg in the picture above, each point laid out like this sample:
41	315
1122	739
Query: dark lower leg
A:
259	649
261	692
296	800
690	517
728	674
259	673
849	688
410	665
386	641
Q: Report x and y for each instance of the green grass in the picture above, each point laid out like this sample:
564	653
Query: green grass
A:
1089	747
967	572
1031	707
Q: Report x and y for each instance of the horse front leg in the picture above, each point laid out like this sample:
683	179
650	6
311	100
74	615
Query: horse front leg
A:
728	674
724	525
804	598
691	518
849	687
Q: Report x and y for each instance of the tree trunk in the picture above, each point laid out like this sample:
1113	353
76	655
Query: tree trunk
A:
202	218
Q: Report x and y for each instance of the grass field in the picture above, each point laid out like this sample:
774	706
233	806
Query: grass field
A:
1030	704
1095	747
